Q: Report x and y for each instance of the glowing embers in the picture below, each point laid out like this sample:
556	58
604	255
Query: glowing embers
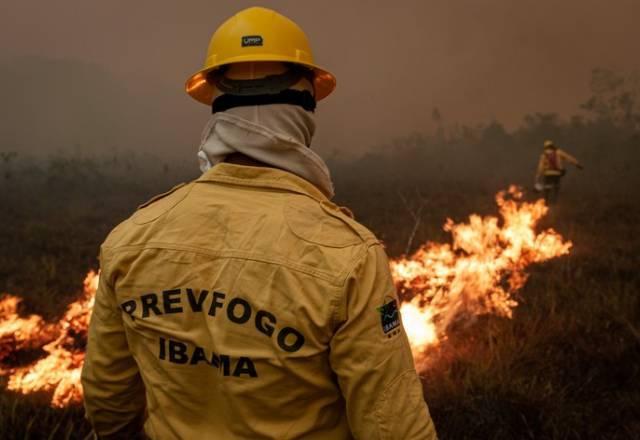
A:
477	273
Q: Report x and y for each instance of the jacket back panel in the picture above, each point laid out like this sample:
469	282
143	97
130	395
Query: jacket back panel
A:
229	296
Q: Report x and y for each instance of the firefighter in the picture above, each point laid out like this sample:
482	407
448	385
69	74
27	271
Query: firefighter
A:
245	304
551	169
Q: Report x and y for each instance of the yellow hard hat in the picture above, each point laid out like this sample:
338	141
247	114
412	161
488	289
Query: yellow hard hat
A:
549	144
255	35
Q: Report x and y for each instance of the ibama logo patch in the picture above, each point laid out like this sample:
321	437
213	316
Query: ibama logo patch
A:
389	316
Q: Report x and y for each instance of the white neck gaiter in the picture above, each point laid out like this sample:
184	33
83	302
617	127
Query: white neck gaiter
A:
276	134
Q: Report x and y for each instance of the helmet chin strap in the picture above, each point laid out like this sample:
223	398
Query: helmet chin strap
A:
301	98
290	86
268	85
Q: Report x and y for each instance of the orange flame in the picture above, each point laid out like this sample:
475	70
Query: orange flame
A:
477	273
59	372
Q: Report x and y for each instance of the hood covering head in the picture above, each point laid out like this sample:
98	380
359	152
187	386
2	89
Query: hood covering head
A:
275	134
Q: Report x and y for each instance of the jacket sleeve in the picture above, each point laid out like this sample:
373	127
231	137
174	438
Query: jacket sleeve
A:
569	158
372	358
540	169
114	397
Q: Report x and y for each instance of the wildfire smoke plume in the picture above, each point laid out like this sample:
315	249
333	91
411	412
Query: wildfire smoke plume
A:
477	273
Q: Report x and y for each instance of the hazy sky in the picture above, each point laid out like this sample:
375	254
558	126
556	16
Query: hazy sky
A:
111	73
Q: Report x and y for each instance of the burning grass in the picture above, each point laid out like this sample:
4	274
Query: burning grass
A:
477	274
63	342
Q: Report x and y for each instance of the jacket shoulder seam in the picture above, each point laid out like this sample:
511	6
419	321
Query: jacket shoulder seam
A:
161	196
365	236
336	300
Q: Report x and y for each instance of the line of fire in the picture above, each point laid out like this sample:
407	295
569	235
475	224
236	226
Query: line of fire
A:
477	273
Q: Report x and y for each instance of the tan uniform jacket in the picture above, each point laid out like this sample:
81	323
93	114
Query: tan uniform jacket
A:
546	167
245	305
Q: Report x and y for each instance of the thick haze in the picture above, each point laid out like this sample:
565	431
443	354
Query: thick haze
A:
96	75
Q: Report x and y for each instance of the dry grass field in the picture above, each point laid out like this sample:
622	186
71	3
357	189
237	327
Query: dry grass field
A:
566	366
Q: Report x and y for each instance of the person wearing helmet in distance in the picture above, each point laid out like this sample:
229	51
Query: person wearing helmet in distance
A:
551	170
245	304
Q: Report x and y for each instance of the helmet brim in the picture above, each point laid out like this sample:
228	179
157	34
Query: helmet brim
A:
200	89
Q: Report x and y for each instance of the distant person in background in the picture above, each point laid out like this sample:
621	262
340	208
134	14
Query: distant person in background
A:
245	304
551	170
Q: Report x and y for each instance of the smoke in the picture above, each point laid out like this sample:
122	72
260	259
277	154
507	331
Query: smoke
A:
73	106
110	75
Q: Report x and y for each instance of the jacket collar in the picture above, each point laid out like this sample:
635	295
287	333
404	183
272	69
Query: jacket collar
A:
261	177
